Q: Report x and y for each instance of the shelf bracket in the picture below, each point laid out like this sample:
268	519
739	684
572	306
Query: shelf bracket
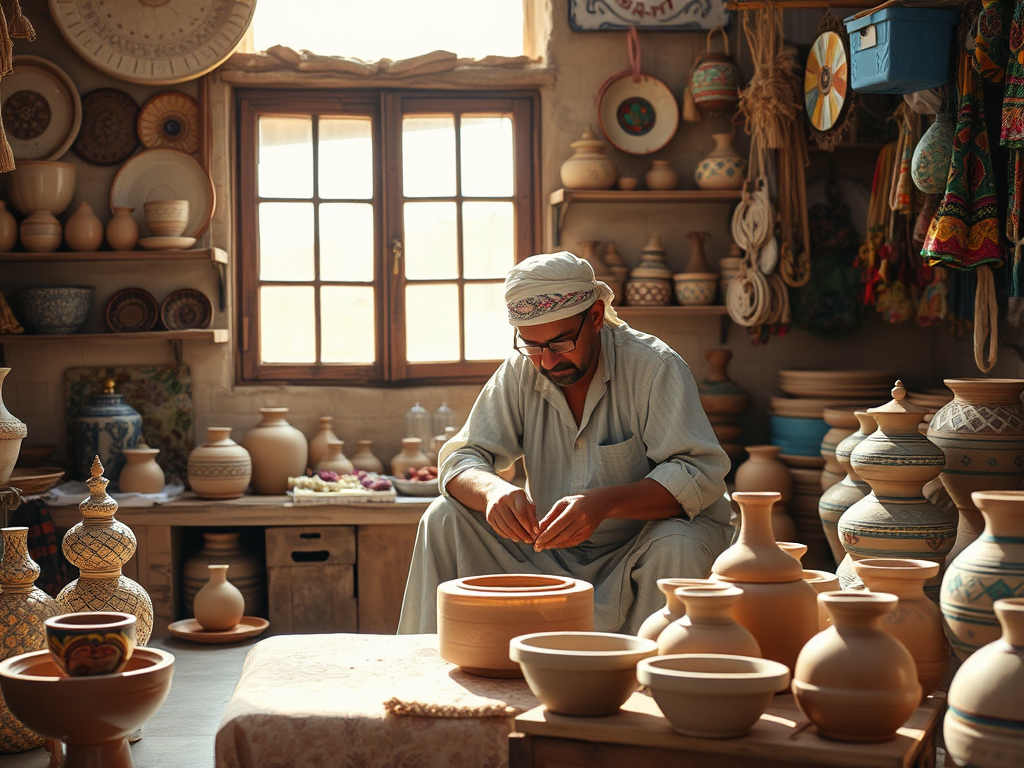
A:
222	279
175	350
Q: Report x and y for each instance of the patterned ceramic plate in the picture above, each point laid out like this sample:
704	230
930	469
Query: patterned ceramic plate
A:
131	311
170	119
187	308
165	174
41	109
108	134
35	480
637	117
825	81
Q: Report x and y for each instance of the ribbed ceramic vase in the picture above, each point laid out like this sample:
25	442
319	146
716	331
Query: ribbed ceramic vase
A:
841	496
218	605
318	445
278	451
364	459
248	571
12	432
981	433
674	609
990	569
984	725
777	606
709	626
219	468
842	423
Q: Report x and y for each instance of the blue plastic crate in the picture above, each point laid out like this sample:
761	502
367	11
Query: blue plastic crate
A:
900	50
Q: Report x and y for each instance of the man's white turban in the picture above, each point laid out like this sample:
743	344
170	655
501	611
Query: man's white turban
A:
554	286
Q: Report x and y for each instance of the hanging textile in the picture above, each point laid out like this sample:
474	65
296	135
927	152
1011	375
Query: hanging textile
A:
1012	137
992	41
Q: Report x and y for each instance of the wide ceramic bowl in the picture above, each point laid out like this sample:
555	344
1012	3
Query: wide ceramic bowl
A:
695	288
586	674
712	696
58	309
40	185
91	642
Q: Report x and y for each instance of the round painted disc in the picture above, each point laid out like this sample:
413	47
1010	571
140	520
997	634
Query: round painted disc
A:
826	81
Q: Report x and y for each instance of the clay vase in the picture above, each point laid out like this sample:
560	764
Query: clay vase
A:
84	230
41	232
614	261
777	606
992	567
23	609
218	606
984	723
589	167
674	609
364	459
711	627
895	519
8	228
123	230
822	581
841	496
842	423
715	82
660	176
219	468
915	621
929	167
141	474
763	471
853	681
723	400
723	168
697	262
278	451
335	461
248	572
318	445
12	432
981	433
410	457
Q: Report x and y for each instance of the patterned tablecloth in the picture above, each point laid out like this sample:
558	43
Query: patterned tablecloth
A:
331	700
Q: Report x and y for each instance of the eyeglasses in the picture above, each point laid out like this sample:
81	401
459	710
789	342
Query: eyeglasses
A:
558	347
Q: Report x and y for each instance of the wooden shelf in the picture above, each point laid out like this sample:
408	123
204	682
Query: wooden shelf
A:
216	335
215	255
628	312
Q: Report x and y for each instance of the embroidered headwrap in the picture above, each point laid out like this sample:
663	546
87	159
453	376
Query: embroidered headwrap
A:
554	286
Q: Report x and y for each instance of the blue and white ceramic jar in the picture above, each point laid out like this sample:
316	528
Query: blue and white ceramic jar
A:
104	428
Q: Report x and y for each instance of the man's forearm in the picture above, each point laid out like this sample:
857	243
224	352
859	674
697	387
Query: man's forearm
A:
643	500
474	486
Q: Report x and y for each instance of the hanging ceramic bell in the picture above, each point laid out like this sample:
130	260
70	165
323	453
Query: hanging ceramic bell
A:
715	83
932	156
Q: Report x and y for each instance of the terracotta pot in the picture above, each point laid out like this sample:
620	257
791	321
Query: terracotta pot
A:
984	723
842	423
589	167
122	230
794	548
318	445
12	432
648	293
41	232
278	451
854	681
981	434
992	567
84	230
478	616
709	626
723	168
335	461
674	609
763	471
822	581
248	571
411	457
660	176
218	606
219	468
141	474
364	459
8	228
722	398
915	621
777	605
841	496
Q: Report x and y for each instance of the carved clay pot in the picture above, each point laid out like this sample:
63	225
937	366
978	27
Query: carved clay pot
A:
278	451
318	445
410	457
335	461
219	468
122	230
12	432
84	230
851	489
711	627
589	167
218	606
364	459
8	228
141	474
674	609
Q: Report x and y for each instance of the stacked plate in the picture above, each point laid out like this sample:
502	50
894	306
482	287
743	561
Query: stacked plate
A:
837	386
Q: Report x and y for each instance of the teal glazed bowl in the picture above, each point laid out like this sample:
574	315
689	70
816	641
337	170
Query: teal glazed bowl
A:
798	437
59	309
91	642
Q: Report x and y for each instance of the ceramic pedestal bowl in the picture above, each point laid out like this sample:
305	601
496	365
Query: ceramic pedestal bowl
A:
55	309
585	674
478	616
40	185
91	715
712	696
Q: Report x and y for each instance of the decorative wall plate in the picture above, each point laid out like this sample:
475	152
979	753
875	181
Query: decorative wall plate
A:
826	81
170	119
154	42
185	309
132	310
107	136
637	117
41	109
165	174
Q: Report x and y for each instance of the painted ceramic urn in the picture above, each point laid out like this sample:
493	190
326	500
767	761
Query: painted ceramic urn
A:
851	489
104	428
723	168
929	167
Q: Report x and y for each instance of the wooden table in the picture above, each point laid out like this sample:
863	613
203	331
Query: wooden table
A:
640	737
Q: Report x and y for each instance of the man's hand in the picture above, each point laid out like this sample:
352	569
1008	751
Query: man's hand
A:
511	513
570	522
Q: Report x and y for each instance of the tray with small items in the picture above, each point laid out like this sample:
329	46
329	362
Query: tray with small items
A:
331	488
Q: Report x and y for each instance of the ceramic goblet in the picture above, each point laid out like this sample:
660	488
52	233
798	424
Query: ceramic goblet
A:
167	218
91	643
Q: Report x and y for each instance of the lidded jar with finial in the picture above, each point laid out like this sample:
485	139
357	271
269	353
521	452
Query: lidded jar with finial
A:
104	428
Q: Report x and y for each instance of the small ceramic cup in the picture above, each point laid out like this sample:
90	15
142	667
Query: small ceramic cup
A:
167	218
627	183
91	643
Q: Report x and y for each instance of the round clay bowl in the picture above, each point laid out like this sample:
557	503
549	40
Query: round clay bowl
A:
91	643
40	185
586	674
712	696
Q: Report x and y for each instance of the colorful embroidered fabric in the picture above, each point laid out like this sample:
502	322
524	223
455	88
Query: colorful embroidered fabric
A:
534	306
1012	137
992	41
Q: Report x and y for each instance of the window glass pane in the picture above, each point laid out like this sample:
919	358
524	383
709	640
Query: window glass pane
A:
346	158
286	157
431	241
346	242
487	330
487	158
428	156
347	324
431	323
286	241
287	324
488	239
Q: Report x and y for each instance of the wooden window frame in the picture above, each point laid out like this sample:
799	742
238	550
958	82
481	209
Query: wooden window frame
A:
387	108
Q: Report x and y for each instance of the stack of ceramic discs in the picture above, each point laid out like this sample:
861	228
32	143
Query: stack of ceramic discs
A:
803	509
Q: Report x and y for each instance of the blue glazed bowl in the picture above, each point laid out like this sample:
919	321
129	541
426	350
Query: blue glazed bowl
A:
798	437
55	309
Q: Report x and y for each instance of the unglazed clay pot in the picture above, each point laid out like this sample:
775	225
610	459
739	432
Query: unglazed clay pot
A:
764	472
778	606
278	451
84	230
219	605
141	474
318	445
364	459
411	457
585	674
478	616
981	434
984	724
12	432
41	232
674	609
722	399
219	468
851	489
854	681
660	176
710	626
335	460
122	230
248	571
915	621
822	581
589	167
992	567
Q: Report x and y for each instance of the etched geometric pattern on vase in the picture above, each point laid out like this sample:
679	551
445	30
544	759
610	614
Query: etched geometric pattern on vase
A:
99	546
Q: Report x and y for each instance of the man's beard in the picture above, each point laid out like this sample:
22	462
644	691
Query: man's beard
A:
573	373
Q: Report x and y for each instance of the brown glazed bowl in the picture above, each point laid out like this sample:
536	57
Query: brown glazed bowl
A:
91	642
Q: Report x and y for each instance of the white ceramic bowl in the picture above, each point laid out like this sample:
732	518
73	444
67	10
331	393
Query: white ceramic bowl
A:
712	696
587	674
40	185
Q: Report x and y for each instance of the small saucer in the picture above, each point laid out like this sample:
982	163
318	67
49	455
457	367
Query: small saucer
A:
189	629
167	243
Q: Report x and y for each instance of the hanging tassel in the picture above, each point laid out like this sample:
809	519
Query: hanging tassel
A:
6	47
986	321
18	26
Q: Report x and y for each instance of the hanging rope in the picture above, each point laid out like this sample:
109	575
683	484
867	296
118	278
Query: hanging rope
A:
986	320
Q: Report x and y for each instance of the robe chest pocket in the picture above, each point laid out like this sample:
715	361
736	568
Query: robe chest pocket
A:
624	462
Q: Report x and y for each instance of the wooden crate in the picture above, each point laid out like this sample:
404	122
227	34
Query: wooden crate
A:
311	579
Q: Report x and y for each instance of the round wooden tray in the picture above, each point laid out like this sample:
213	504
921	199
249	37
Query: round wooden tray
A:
35	480
189	629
